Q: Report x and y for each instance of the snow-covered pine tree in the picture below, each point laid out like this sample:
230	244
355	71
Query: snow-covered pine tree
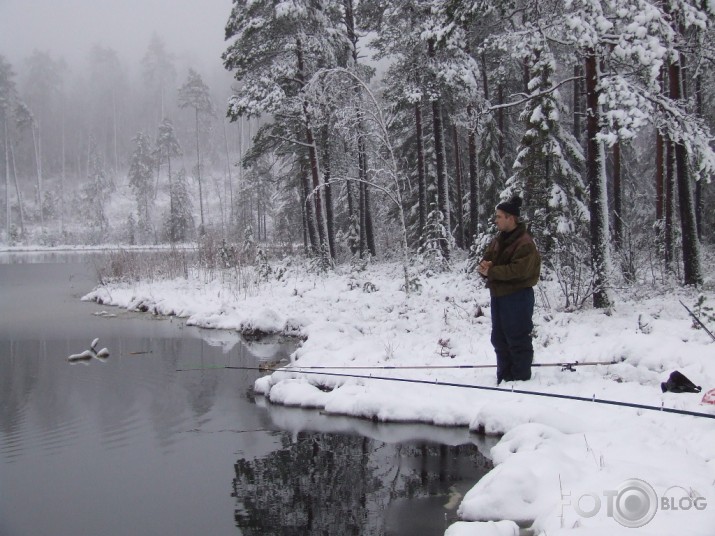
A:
491	172
179	223
131	229
95	194
195	94
248	248
544	172
436	233
353	234
141	173
167	146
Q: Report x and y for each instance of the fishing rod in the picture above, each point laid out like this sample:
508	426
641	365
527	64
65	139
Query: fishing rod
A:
698	320
526	392
570	366
564	366
593	399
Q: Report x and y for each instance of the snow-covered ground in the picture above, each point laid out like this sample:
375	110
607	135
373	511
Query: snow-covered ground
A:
562	466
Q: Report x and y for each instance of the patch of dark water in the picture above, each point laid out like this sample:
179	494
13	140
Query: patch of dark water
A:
386	479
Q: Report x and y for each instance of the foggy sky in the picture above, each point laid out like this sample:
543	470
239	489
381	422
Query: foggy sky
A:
192	29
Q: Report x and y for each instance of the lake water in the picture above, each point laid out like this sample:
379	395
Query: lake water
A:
130	446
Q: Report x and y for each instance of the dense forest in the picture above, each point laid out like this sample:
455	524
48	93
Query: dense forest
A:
378	128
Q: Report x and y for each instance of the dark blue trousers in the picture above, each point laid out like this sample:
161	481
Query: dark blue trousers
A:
512	325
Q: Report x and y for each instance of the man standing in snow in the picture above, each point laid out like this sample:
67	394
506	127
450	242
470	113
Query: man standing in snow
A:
511	267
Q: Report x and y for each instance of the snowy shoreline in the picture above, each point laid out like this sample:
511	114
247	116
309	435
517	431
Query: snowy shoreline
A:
104	248
553	452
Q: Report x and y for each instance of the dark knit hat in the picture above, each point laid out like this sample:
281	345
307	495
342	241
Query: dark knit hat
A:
511	207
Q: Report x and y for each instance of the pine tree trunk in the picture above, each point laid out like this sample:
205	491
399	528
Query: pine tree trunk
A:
304	220
156	182
421	179
617	198
442	182
239	179
501	122
308	208
161	99
38	165
474	193
172	215
265	227
692	272
40	174
660	163
460	195
597	186
18	191
7	184
369	228
485	77
699	203
367	234
259	215
669	206
366	230
230	179
114	131
361	212
328	192
577	73
198	173
63	176
351	202
659	172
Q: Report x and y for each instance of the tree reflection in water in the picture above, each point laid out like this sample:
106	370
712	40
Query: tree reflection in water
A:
334	484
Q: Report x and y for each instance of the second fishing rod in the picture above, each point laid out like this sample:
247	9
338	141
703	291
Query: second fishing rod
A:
295	367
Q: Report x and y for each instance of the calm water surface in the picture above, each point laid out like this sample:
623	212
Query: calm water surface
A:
130	446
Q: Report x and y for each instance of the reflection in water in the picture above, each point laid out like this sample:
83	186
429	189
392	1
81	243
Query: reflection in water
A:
320	483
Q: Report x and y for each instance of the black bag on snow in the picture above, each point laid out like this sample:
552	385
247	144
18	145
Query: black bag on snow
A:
679	383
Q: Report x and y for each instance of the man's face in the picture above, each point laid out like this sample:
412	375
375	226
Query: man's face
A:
504	221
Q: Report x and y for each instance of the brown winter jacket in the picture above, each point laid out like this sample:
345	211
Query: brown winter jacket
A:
517	263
